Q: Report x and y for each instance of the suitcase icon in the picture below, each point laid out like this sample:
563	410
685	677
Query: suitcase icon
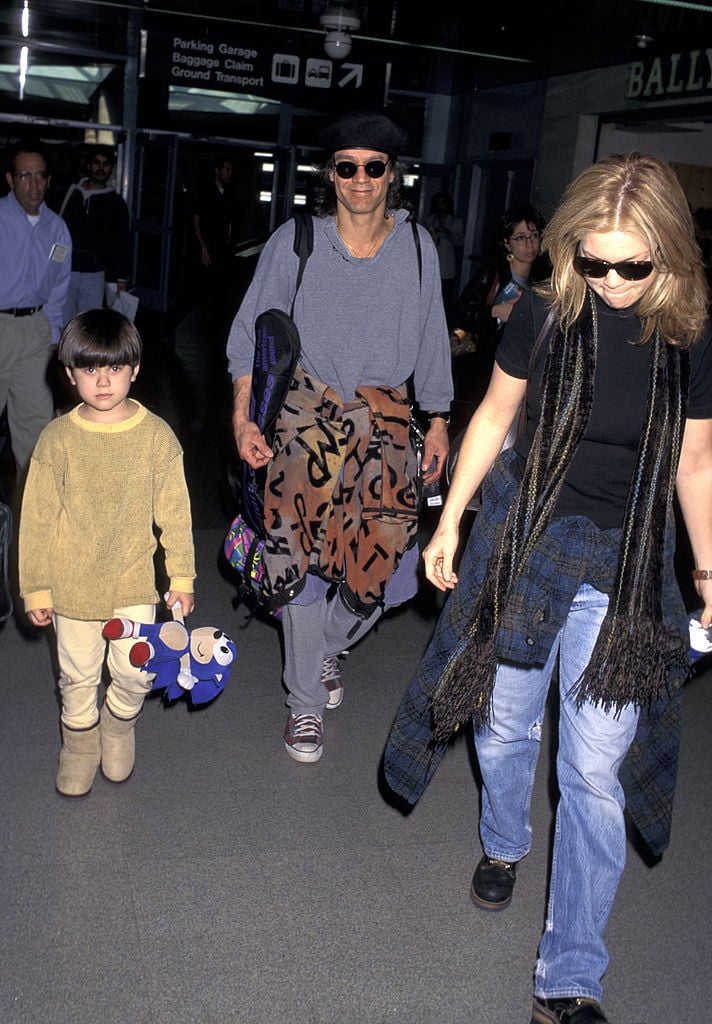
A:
285	68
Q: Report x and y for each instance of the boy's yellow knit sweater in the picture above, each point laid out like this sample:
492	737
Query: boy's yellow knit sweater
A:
93	495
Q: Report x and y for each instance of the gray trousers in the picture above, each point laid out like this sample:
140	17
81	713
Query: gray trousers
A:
313	632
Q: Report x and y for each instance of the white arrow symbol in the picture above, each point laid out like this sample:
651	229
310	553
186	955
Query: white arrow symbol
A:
354	72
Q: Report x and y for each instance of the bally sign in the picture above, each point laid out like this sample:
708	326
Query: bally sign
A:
679	74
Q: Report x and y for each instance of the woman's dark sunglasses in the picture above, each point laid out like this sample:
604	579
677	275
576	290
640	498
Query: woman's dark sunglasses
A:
374	168
629	270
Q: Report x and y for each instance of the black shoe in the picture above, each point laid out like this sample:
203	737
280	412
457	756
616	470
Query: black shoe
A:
571	1010
493	883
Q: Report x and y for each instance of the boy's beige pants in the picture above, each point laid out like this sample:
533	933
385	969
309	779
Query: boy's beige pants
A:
81	650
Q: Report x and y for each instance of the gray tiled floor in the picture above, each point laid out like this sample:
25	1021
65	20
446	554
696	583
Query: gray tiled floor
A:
225	884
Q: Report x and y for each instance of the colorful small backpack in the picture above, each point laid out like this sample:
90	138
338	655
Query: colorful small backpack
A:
243	549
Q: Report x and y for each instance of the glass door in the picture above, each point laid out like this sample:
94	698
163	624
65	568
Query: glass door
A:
153	219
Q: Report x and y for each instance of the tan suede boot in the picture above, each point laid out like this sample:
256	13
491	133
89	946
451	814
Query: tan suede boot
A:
118	746
78	760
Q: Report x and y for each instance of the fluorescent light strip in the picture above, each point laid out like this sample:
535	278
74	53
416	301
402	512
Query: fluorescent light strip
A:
704	8
24	53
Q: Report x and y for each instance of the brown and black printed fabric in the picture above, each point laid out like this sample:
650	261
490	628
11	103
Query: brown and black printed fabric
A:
341	492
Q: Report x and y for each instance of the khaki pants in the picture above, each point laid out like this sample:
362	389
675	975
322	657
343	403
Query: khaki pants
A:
81	650
25	342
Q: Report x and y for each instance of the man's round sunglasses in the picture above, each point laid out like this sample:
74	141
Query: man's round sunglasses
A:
374	168
629	270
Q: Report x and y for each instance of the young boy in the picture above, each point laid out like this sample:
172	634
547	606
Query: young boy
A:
100	478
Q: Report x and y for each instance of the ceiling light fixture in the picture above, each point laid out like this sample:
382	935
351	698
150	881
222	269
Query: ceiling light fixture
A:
339	20
24	50
24	55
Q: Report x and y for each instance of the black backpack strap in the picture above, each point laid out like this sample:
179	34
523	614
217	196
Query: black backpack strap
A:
303	245
419	253
418	250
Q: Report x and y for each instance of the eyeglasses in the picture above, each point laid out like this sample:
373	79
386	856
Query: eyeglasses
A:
533	236
374	168
629	270
27	176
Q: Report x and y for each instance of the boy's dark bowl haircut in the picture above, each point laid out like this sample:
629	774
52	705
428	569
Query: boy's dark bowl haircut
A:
99	337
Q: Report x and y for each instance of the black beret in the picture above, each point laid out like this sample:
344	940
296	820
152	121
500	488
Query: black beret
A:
362	129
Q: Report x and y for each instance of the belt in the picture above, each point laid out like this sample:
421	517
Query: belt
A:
21	310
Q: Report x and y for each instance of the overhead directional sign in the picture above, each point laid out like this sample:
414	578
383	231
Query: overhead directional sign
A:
260	64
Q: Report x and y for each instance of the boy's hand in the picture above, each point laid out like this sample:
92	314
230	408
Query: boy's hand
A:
186	602
41	616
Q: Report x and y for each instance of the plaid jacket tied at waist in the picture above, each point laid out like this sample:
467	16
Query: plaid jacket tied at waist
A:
572	551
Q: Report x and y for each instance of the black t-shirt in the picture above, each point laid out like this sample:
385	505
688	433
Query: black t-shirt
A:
597	482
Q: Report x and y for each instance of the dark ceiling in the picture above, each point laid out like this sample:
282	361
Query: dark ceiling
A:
448	46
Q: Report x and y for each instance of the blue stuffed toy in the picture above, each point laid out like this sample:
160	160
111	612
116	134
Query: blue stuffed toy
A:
196	662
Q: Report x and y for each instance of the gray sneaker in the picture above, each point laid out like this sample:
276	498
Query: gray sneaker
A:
333	680
303	737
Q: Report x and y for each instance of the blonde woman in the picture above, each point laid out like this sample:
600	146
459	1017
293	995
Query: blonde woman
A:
569	565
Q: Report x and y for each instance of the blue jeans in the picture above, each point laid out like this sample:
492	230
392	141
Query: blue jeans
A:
590	837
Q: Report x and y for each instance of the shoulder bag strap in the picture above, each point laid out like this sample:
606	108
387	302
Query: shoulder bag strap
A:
494	288
540	338
303	245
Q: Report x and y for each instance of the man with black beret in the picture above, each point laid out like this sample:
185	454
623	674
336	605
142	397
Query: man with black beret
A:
341	496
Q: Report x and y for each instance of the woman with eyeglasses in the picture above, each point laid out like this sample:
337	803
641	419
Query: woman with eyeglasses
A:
568	572
488	299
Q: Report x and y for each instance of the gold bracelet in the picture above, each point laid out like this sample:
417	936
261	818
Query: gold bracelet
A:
701	574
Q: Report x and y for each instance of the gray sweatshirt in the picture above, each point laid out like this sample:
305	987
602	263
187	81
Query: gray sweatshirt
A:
361	321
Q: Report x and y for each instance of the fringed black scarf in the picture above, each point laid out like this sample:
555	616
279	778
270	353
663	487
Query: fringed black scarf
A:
633	653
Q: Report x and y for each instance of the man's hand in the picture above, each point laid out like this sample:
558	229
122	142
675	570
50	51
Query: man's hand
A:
251	445
437	445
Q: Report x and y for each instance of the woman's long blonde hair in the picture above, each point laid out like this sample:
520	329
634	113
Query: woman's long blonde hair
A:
639	194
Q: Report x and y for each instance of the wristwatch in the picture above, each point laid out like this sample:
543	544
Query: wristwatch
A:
438	416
